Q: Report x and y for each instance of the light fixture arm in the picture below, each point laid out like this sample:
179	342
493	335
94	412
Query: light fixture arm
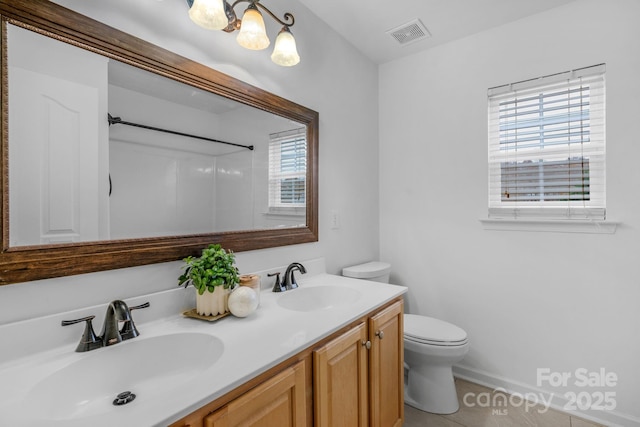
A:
287	16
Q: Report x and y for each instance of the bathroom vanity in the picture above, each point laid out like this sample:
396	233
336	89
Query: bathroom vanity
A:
353	377
307	356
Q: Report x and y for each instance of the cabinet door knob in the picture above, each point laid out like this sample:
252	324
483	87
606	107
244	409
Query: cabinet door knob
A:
367	344
380	334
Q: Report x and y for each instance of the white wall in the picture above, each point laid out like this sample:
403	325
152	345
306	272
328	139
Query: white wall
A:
527	300
332	78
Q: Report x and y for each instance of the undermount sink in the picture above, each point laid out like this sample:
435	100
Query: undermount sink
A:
318	298
145	367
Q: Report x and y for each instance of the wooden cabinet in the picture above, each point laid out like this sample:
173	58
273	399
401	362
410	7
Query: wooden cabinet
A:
386	367
340	380
279	397
279	401
353	378
358	377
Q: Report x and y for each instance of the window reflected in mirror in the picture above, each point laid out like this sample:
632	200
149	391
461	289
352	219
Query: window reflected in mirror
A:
287	173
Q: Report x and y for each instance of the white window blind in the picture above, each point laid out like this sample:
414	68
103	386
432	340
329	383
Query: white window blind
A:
547	147
288	169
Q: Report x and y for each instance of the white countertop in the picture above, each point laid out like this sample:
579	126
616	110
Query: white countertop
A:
252	345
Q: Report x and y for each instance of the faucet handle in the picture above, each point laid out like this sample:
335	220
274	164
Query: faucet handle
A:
129	329
74	321
277	287
89	340
136	307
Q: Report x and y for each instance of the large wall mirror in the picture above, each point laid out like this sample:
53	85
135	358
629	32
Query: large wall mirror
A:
118	153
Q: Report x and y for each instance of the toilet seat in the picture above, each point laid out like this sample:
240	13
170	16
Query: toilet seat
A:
430	331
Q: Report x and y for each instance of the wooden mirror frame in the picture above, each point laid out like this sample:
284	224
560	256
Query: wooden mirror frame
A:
20	264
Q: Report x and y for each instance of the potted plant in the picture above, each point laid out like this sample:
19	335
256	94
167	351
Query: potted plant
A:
214	275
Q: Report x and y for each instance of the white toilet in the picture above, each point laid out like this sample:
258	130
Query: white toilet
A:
431	347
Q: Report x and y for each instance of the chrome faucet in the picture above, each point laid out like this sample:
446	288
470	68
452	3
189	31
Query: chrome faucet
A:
117	311
289	279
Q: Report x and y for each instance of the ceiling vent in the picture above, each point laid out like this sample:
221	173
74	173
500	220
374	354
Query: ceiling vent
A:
410	32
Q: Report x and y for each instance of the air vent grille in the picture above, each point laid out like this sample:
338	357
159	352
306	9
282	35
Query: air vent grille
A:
410	32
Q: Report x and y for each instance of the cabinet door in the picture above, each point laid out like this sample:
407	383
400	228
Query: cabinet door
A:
340	380
279	401
387	367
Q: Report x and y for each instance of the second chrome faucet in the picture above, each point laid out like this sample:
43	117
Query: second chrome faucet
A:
289	281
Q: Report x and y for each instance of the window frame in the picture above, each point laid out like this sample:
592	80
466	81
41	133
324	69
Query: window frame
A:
502	151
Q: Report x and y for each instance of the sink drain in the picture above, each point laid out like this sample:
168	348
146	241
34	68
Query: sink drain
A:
124	398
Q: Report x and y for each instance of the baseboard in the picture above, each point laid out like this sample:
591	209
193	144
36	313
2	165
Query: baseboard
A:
610	418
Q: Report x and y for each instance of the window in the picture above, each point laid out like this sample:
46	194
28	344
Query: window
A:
288	171
547	147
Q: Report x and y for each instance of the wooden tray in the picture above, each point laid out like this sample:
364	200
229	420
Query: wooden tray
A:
194	314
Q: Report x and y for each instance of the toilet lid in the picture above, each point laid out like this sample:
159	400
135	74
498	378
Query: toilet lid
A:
368	270
428	330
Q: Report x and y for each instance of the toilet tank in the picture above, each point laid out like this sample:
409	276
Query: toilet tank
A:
376	271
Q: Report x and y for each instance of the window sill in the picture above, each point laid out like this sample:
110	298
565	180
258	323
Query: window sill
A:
552	226
285	213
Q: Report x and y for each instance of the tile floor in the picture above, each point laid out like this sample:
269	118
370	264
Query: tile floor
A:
485	416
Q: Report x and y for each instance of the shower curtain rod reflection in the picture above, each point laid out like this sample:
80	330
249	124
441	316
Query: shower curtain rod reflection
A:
119	121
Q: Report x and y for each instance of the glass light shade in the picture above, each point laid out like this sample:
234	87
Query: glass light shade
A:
252	33
209	14
285	52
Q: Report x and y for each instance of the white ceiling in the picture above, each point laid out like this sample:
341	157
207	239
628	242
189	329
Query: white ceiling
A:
364	23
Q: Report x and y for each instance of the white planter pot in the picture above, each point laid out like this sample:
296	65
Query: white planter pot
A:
213	303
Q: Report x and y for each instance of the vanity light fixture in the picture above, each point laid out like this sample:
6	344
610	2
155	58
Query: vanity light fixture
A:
220	15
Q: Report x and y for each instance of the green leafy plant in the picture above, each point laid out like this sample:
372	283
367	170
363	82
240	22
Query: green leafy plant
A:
216	267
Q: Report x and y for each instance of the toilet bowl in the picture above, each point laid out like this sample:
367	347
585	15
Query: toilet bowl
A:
431	347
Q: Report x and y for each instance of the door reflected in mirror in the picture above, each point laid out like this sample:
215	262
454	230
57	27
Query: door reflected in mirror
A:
103	150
